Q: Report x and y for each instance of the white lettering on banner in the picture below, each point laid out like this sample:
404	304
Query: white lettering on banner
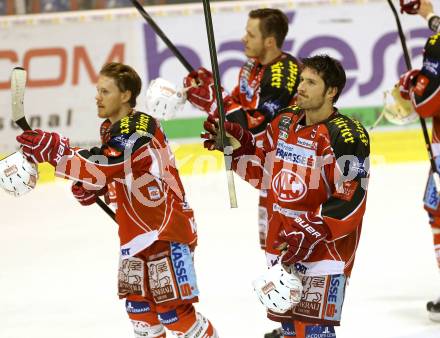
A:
291	153
289	186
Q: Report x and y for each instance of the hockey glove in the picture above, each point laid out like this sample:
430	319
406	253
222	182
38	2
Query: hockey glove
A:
86	197
300	238
407	80
240	139
201	91
409	6
39	146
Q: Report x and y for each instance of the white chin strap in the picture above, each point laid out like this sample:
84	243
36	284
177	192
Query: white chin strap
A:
17	175
164	99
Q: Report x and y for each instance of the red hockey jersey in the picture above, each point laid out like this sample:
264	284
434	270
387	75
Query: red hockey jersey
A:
262	91
317	171
150	198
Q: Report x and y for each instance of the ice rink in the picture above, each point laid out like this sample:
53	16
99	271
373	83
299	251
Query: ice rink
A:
58	263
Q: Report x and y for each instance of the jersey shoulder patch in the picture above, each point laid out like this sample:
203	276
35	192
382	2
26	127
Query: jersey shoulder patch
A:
130	132
343	129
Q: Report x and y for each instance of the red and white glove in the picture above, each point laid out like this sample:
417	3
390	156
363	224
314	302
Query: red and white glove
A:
241	140
86	197
39	146
201	91
407	80
409	6
302	236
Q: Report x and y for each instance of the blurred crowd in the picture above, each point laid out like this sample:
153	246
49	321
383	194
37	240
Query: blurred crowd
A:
12	7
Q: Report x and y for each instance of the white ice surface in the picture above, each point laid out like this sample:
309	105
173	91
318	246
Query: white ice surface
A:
58	263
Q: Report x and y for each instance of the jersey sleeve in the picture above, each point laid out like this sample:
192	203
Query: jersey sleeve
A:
425	95
277	88
115	159
342	212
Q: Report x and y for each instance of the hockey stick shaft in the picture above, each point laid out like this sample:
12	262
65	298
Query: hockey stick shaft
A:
409	67
219	98
162	35
18	84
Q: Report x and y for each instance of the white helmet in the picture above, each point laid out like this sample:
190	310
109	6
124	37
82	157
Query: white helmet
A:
278	289
396	109
164	100
17	175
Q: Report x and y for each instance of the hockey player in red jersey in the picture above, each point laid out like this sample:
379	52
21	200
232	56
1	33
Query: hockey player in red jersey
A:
156	225
267	82
314	164
422	87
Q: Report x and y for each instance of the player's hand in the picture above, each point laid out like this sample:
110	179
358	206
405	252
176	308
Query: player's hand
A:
300	238
39	146
86	197
409	6
240	139
407	80
201	91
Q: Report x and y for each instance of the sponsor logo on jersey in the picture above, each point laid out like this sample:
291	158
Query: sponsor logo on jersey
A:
154	193
293	75
289	186
277	74
335	297
169	317
432	66
301	268
161	280
307	143
320	332
286	212
346	190
137	307
271	107
288	329
345	129
131	276
183	270
246	89
284	124
283	135
122	141
292	153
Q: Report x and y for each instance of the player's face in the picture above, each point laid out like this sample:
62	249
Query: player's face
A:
311	90
109	99
253	40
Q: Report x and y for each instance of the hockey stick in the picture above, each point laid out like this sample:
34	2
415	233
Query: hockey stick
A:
162	35
227	148
18	85
436	173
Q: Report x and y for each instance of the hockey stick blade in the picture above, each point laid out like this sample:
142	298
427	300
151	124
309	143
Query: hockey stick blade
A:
18	84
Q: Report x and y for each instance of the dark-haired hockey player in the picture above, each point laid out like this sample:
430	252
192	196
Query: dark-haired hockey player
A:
314	164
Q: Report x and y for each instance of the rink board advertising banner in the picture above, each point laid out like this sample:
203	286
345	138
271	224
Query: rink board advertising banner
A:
63	54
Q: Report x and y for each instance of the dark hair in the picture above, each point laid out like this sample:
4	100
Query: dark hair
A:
273	22
125	78
329	69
